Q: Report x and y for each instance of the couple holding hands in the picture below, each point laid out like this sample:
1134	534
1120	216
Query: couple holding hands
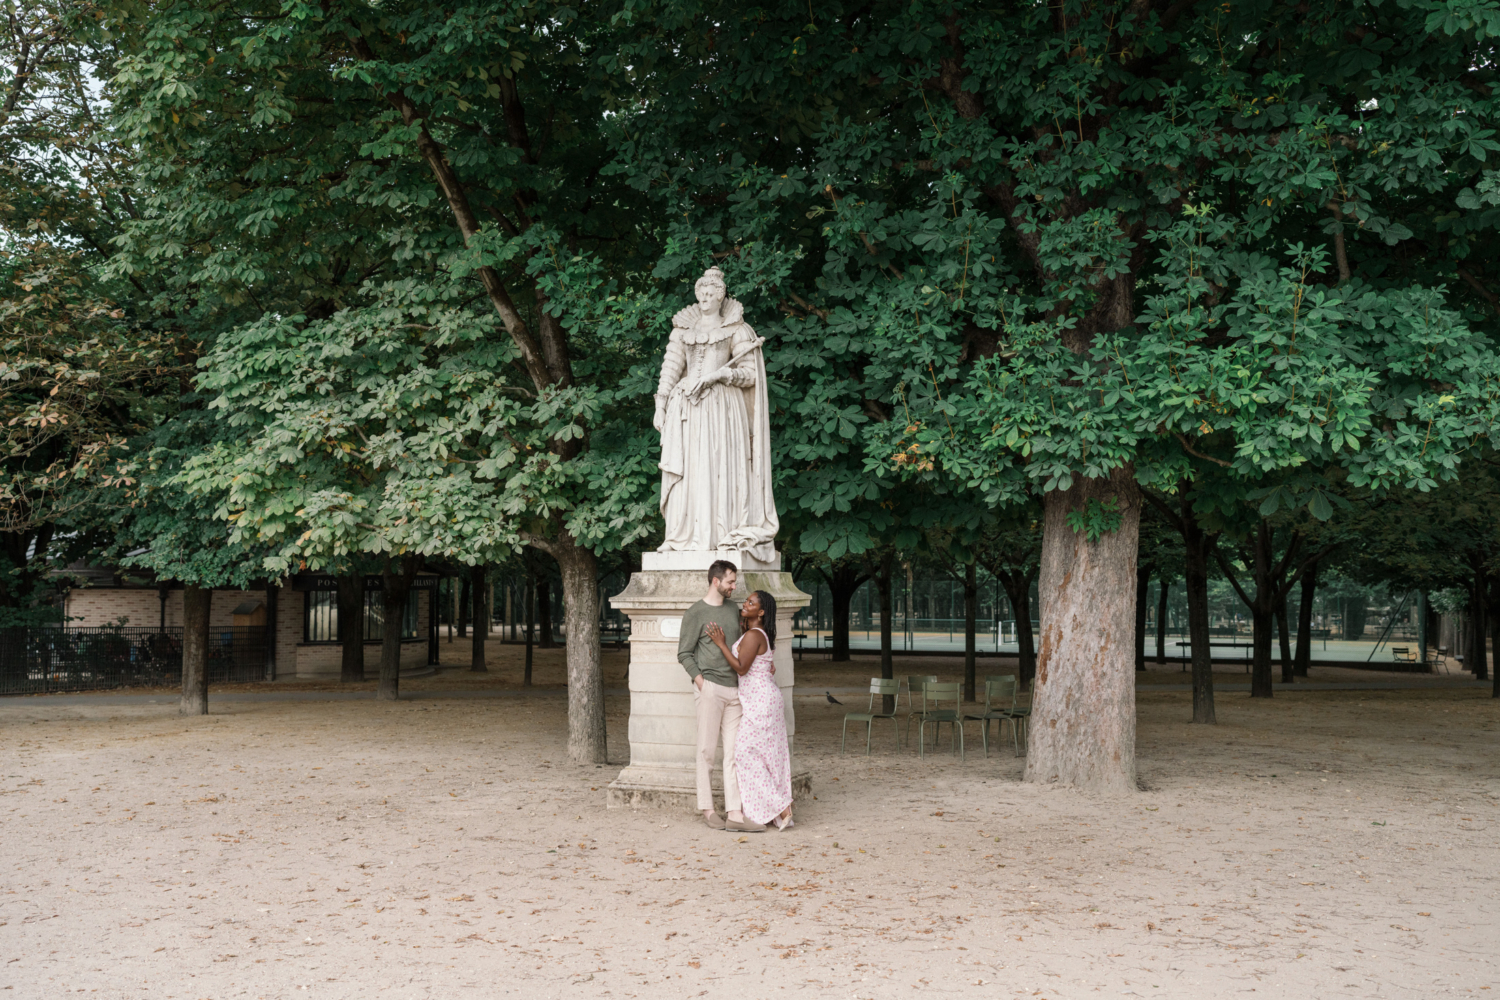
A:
726	649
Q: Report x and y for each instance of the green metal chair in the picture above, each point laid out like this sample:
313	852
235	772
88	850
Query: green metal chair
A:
1021	713
934	693
914	683
881	687
1000	707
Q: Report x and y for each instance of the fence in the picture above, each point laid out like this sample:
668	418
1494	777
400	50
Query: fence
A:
44	660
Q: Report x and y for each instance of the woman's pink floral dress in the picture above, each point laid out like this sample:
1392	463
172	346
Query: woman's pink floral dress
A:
760	751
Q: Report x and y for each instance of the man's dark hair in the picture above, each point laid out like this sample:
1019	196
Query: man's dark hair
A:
719	568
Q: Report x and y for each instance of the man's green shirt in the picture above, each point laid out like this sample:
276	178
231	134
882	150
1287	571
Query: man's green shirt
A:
697	652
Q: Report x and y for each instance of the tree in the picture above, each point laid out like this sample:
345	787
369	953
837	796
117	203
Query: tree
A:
157	525
984	211
1010	550
377	434
470	143
80	366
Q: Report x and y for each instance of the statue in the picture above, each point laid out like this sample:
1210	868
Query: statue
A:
715	430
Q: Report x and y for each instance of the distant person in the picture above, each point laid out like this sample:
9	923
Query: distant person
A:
762	762
716	696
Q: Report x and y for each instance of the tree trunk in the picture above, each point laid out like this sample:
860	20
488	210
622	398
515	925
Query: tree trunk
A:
1494	621
1356	615
844	579
1083	709
1262	622
1018	591
1197	548
273	600
884	585
1304	621
842	598
971	615
1478	660
580	575
481	619
530	586
352	627
396	590
544	611
1161	619
196	602
1288	669
465	602
1142	585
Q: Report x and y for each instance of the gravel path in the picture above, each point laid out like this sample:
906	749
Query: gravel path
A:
1321	844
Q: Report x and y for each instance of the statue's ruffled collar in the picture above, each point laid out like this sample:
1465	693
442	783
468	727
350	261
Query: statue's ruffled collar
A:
731	314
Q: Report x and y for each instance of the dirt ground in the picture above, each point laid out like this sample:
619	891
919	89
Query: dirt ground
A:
1320	844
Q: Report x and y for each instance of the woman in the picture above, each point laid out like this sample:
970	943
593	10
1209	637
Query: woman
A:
760	751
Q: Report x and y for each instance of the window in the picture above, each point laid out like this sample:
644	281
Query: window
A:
322	616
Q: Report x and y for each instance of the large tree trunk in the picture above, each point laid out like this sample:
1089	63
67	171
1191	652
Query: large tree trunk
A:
1304	621
1288	669
395	592
481	618
884	585
196	602
1161	619
971	615
1142	585
580	575
1083	711
352	627
1197	549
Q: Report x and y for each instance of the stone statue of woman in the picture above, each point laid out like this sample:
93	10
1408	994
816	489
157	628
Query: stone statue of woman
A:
715	430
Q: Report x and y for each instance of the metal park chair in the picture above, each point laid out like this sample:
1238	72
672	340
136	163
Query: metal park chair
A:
1000	707
914	685
934	693
1020	713
879	687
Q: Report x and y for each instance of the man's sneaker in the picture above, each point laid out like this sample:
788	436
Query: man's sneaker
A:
714	821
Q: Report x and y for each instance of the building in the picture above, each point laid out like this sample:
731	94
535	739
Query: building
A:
301	617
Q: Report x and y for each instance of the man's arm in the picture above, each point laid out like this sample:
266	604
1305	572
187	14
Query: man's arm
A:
687	643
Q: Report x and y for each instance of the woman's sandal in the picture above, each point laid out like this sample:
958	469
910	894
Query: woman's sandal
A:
783	826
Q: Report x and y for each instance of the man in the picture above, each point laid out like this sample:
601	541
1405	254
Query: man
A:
715	693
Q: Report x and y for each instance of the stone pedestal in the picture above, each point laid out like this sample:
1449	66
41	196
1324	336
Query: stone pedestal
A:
663	727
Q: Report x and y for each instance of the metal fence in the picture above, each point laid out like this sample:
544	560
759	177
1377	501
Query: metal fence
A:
42	660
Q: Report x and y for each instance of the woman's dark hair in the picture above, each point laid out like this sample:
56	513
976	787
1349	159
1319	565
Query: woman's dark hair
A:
768	619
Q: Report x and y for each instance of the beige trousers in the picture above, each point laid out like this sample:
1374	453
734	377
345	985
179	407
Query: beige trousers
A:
718	709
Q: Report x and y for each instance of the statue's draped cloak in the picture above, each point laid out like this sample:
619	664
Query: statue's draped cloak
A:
716	450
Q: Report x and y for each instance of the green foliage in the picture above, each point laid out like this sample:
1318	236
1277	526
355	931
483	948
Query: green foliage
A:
1098	518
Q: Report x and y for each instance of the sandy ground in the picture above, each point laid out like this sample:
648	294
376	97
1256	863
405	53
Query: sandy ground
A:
1321	844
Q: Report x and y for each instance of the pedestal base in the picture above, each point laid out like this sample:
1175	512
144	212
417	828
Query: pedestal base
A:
650	788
